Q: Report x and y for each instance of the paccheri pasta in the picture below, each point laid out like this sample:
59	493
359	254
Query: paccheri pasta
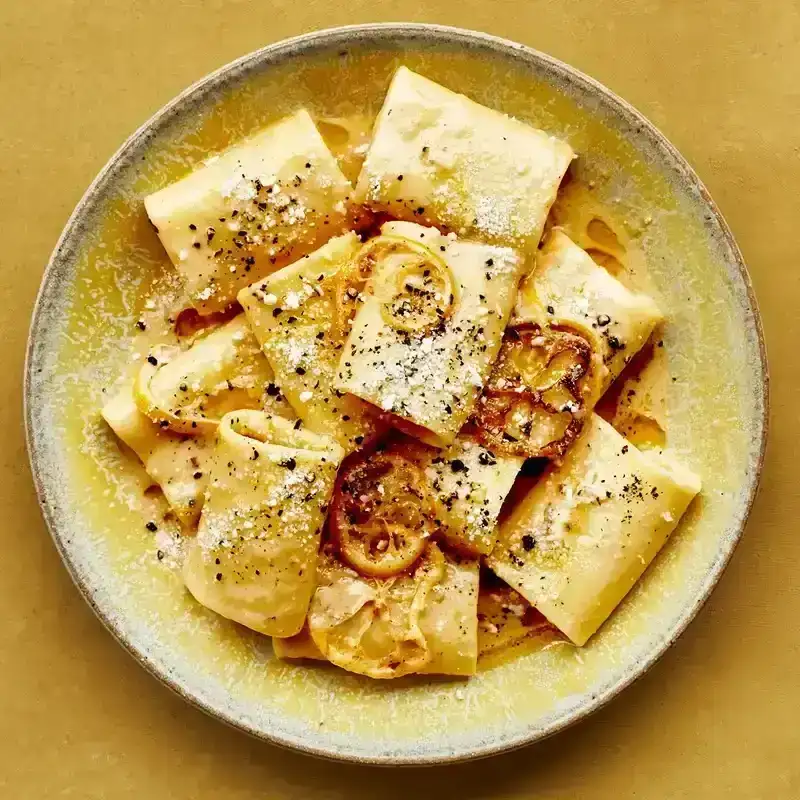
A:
168	412
574	329
254	557
583	535
250	210
298	316
439	158
423	340
382	428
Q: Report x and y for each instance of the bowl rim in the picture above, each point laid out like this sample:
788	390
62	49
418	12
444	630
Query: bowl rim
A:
392	32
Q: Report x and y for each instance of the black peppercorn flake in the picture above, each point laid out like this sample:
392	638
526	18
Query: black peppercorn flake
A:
615	344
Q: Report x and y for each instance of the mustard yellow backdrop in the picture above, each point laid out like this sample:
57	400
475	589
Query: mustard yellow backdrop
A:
716	718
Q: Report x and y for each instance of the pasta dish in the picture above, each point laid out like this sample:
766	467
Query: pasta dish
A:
410	416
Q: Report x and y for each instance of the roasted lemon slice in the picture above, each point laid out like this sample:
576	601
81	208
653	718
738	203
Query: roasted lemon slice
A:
416	288
534	402
382	514
371	626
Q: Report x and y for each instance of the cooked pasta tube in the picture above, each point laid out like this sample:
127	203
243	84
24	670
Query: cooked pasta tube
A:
299	315
252	209
440	158
254	559
573	330
419	621
425	336
177	463
568	291
189	391
168	414
583	535
470	483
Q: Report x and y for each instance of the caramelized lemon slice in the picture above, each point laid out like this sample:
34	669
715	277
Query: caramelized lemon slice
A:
534	402
545	360
382	514
416	288
371	626
350	282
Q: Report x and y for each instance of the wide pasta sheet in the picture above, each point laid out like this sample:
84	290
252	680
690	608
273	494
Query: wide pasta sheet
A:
189	391
177	463
428	382
169	411
424	621
250	210
254	559
569	290
294	316
440	158
583	535
470	484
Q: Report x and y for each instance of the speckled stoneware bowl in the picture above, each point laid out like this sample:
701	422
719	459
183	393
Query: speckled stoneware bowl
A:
95	285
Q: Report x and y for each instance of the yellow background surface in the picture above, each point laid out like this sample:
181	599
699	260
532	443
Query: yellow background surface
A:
716	718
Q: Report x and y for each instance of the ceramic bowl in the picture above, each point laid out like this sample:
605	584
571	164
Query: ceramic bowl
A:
93	289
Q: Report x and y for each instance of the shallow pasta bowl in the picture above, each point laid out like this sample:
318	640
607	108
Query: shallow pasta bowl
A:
97	280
